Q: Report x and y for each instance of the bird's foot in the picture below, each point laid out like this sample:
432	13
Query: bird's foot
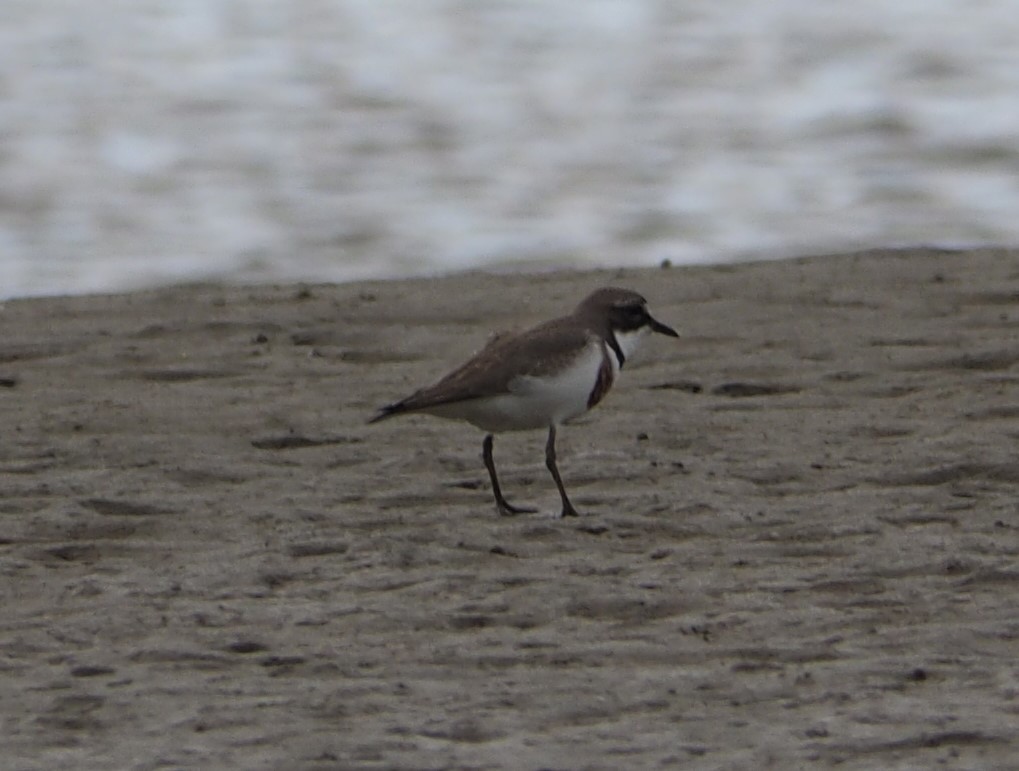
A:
506	509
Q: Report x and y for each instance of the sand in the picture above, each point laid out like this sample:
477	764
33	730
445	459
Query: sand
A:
799	546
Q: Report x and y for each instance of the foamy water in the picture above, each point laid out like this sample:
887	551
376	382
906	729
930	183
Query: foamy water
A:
254	140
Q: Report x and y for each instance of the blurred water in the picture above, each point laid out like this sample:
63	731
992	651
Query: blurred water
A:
149	141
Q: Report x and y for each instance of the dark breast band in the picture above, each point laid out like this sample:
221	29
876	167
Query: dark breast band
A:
604	381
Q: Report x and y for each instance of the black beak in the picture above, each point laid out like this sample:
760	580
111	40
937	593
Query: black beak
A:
657	326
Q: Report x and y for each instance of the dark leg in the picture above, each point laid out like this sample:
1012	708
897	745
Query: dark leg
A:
568	510
500	503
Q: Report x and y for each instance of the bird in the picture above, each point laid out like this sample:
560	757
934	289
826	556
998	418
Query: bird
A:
539	378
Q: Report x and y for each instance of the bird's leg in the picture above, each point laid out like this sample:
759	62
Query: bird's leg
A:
568	510
501	504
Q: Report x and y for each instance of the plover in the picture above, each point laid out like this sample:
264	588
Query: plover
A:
539	378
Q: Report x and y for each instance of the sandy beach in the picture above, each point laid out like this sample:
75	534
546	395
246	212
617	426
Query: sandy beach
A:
799	546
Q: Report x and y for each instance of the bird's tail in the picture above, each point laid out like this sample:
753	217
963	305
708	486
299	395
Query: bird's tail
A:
388	411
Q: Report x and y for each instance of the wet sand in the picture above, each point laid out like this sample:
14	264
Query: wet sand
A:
799	547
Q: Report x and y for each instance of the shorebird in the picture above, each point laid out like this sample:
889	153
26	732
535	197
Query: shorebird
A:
539	378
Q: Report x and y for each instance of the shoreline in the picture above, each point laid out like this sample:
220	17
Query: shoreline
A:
799	538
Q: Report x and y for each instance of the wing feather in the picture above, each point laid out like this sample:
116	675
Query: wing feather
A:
538	352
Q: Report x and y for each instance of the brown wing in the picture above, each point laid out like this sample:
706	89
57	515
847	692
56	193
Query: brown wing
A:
490	371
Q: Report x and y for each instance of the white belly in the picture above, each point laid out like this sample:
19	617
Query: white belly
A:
534	402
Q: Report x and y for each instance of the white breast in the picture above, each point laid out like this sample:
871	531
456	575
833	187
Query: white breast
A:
535	402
